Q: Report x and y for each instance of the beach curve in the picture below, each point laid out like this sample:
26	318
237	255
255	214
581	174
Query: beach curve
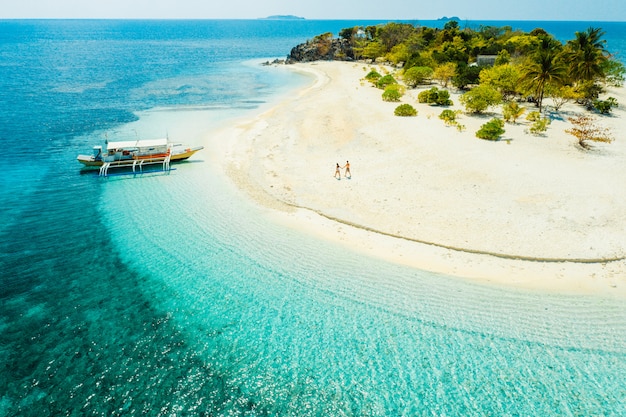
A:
560	216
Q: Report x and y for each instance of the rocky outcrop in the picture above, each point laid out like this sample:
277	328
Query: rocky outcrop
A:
321	49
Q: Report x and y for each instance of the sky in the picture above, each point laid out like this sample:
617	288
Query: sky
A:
581	10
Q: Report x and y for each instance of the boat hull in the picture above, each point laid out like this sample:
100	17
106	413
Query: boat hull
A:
90	162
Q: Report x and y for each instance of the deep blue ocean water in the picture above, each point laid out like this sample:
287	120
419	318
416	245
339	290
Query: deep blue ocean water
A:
172	295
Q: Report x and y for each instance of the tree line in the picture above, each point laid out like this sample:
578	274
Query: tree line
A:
518	65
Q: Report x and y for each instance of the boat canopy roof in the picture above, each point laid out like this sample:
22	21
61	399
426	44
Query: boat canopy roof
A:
134	144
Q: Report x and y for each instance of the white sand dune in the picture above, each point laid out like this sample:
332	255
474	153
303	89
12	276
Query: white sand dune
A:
532	212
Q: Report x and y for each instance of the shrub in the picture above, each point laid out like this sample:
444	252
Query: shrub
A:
443	98
533	116
417	75
405	110
435	96
424	96
586	130
492	130
511	111
373	76
480	98
539	126
448	116
392	93
605	106
385	80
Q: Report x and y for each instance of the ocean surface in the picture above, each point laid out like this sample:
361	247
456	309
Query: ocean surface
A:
172	295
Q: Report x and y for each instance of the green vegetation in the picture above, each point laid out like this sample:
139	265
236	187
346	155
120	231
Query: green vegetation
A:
493	65
393	92
532	66
405	110
480	98
492	130
385	80
562	94
503	78
539	126
435	96
605	106
444	73
448	116
533	116
511	111
417	75
373	76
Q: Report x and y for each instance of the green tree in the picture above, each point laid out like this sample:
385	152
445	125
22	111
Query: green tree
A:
504	78
419	59
373	50
522	44
466	75
454	50
451	25
586	55
399	53
480	98
444	73
561	94
544	69
503	58
349	33
417	75
393	34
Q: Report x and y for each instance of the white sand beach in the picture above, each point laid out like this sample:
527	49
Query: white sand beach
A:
532	212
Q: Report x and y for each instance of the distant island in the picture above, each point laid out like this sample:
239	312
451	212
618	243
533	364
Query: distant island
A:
282	17
445	18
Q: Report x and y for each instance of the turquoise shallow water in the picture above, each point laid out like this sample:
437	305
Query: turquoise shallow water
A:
298	327
174	295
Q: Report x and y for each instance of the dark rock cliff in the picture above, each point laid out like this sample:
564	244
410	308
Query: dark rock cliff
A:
321	49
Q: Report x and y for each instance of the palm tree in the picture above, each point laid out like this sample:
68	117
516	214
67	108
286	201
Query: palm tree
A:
586	55
544	69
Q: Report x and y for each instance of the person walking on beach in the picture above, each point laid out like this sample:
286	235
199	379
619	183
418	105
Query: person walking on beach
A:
338	172
347	174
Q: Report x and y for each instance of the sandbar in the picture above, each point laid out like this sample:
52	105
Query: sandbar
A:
532	212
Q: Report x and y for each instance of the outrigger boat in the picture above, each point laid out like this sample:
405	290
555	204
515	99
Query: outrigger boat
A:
136	154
